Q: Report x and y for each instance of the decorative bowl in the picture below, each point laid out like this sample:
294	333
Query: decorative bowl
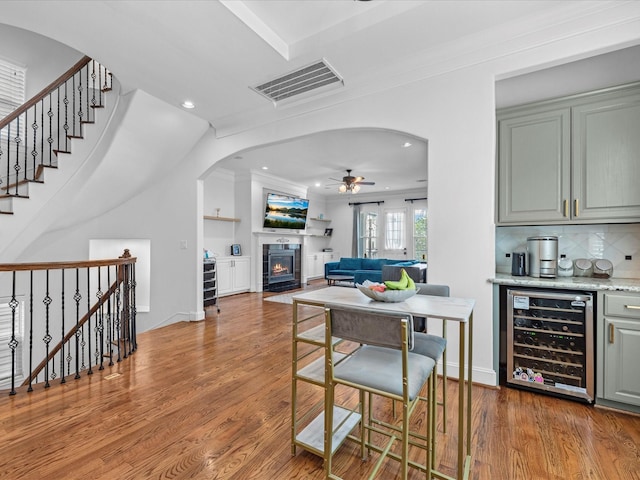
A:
391	296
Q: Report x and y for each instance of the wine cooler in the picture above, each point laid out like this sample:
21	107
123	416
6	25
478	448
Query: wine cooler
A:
550	344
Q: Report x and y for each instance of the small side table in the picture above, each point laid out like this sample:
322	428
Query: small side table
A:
332	279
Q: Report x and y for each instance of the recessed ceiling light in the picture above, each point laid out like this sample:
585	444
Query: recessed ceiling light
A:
265	168
188	104
318	184
406	145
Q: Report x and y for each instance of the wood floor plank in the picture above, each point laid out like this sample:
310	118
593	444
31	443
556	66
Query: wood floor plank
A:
212	400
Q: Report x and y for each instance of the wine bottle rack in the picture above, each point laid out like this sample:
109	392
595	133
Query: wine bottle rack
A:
550	342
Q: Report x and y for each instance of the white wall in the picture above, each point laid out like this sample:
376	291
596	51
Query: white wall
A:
219	192
44	59
455	113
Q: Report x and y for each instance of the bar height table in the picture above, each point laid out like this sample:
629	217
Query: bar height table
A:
448	308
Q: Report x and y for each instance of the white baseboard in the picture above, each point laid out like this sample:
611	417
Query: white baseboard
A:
482	376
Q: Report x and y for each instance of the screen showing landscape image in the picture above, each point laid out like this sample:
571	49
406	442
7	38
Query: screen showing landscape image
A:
285	212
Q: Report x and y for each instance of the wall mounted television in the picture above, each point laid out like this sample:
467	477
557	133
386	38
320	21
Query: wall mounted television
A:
284	211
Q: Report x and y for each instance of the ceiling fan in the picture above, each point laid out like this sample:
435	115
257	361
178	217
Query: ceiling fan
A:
350	183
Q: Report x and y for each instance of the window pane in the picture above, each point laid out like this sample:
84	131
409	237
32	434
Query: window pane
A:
12	88
420	233
394	230
369	234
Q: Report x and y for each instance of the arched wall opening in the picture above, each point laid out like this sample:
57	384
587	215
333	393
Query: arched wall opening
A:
394	166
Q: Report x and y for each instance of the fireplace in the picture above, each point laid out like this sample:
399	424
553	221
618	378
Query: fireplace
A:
281	267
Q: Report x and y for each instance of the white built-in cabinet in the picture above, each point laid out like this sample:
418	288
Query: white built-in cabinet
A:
618	354
571	160
330	257
234	274
314	263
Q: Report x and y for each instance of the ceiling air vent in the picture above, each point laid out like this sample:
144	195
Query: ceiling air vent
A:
307	81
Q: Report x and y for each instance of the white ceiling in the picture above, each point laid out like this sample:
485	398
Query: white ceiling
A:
313	161
212	52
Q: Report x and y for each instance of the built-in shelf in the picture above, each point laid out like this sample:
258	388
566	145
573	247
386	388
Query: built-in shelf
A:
222	219
311	233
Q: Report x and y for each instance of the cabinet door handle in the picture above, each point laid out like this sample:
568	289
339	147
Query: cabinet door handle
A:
575	207
611	330
565	207
632	307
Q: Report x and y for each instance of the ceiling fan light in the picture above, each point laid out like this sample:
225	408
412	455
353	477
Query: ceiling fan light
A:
355	188
342	188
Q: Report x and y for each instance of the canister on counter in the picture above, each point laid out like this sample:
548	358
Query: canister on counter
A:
602	268
565	267
583	267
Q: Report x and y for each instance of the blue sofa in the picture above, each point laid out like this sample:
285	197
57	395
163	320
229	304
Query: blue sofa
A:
361	268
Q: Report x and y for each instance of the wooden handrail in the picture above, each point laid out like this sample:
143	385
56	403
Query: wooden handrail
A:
10	267
45	91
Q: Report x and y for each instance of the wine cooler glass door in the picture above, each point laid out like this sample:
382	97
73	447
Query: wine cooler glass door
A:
550	342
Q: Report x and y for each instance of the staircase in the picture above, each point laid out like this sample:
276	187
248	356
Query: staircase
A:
37	134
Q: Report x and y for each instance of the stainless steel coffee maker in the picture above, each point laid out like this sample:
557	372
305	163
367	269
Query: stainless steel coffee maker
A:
543	256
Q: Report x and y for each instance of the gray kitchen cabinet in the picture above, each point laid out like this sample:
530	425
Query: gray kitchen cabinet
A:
571	160
533	165
618	383
606	158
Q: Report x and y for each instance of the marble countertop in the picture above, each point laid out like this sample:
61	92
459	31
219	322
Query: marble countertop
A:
581	283
450	308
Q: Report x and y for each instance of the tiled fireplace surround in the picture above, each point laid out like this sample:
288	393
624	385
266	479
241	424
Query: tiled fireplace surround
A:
613	242
277	240
293	273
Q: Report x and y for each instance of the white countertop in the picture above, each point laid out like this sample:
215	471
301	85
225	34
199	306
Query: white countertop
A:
449	308
582	283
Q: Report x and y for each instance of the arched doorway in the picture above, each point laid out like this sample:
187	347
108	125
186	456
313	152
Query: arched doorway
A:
393	164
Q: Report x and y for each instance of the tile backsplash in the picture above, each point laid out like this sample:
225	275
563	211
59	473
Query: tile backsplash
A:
613	242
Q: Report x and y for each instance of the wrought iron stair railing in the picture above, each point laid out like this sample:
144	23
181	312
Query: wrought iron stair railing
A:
74	316
33	136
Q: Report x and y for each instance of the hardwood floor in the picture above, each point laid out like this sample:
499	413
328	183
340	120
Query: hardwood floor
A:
211	400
